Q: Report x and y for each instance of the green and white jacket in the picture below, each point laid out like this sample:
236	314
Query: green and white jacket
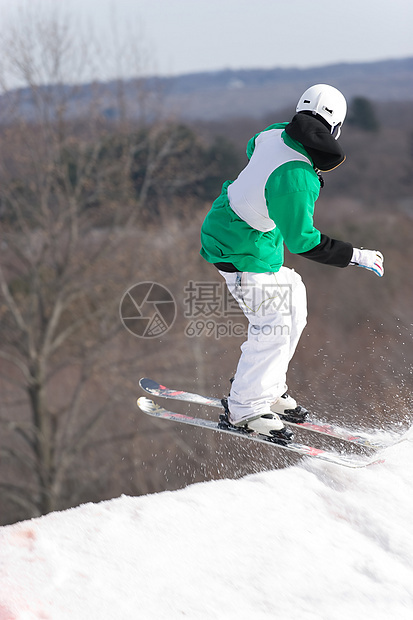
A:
269	204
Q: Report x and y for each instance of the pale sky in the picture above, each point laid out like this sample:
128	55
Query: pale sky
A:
186	36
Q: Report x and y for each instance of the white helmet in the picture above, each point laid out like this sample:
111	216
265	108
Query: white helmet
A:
326	101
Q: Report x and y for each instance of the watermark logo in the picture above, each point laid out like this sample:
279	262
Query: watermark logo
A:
147	310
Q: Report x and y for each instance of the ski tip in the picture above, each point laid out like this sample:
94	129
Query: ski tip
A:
149	385
145	404
149	407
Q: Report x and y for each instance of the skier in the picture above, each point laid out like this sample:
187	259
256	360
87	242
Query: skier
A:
271	203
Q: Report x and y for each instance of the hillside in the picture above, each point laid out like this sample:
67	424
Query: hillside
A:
229	93
313	541
225	94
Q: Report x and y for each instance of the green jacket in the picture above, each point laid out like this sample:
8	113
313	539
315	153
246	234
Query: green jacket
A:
269	204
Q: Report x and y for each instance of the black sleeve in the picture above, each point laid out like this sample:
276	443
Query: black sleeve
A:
330	252
227	267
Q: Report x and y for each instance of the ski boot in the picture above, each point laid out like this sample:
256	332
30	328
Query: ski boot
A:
271	425
287	407
268	424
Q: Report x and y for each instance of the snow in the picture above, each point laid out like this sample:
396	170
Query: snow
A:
311	542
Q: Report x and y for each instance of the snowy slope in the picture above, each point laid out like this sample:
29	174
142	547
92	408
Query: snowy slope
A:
312	542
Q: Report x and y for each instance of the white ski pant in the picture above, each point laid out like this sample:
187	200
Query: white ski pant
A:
275	305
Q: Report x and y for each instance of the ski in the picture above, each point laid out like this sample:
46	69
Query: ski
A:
310	424
347	460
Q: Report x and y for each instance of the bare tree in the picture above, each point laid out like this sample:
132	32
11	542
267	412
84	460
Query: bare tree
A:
73	184
59	291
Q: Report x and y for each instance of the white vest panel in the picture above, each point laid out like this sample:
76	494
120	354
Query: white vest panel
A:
247	193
